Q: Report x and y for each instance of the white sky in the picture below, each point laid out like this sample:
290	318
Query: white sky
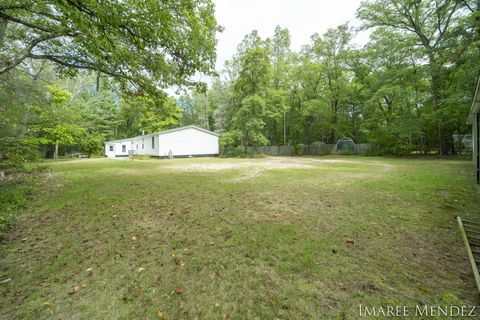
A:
302	18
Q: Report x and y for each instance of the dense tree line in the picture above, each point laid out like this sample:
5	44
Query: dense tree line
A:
74	75
408	89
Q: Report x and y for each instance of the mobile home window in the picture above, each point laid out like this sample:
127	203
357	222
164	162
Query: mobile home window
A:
153	142
143	145
124	148
137	146
111	148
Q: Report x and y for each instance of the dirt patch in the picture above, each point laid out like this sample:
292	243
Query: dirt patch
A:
265	164
249	168
252	168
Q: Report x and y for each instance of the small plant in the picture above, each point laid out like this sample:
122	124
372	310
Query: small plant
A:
297	149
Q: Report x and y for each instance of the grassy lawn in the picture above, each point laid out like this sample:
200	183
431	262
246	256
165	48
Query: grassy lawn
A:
282	238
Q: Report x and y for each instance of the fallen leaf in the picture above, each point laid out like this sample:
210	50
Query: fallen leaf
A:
138	293
89	269
226	317
272	301
134	238
350	241
421	288
74	290
379	234
140	269
179	290
160	314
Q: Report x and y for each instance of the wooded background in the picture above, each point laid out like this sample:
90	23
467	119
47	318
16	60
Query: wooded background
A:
73	75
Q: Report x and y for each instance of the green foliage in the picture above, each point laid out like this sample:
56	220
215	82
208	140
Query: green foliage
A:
408	90
16	191
248	121
297	149
152	45
229	144
57	120
92	144
154	115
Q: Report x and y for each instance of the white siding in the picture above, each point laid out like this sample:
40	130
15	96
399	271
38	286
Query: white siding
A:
188	142
109	153
146	141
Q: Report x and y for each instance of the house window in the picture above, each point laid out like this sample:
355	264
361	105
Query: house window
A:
137	146
124	148
111	148
153	142
143	145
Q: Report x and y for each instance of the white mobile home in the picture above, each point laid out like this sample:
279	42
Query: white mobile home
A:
179	142
474	120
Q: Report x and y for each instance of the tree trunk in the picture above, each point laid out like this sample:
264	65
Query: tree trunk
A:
334	120
274	132
3	29
436	87
97	88
55	153
245	142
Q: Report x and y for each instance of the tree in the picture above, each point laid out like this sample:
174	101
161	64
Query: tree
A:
250	91
249	123
57	125
331	52
18	91
91	144
432	22
151	45
254	75
142	113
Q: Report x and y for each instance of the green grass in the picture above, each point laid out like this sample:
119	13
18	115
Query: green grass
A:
114	239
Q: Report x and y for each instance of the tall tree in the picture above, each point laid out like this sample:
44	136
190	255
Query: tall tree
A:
250	90
148	44
330	52
432	23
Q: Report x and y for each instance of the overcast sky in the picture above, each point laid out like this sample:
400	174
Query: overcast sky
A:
302	18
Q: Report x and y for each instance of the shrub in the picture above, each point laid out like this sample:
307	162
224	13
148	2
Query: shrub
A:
297	149
230	144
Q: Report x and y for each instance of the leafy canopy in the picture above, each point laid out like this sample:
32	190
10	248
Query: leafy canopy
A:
148	44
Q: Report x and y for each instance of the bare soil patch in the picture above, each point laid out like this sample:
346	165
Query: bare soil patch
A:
253	168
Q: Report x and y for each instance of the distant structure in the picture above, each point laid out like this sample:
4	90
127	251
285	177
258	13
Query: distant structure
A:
345	146
474	120
189	141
